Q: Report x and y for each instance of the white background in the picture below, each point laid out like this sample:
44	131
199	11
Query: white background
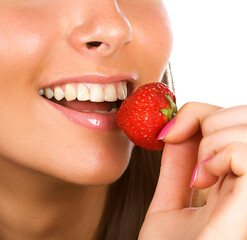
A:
209	58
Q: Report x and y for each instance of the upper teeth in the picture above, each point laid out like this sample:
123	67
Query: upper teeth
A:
83	92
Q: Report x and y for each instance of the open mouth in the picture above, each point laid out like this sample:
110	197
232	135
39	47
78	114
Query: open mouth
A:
88	106
88	97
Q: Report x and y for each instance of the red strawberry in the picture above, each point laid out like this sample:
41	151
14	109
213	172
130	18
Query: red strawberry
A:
145	113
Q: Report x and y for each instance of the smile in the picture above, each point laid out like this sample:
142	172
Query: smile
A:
88	97
92	105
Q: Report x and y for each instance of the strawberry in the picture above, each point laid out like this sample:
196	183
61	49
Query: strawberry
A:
144	114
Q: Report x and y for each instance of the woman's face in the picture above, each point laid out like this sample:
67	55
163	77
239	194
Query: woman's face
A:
46	43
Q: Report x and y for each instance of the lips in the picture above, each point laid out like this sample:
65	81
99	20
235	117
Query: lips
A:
92	120
90	104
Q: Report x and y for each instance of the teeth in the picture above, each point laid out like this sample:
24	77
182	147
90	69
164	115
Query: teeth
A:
110	93
82	93
114	110
96	93
104	112
48	93
58	93
70	92
41	91
122	91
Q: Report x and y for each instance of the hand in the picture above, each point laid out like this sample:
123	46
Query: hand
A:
202	131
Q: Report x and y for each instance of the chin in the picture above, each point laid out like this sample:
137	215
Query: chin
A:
90	165
73	155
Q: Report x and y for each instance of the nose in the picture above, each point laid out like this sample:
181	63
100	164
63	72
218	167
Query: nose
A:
104	31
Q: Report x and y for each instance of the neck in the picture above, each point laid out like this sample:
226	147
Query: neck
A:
37	206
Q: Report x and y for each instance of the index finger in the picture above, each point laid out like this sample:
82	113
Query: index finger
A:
188	121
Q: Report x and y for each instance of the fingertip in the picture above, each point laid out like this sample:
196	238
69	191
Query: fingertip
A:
204	179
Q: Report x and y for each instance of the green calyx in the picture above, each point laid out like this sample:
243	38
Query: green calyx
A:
170	112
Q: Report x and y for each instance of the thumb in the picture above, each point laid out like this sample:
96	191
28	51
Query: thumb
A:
173	189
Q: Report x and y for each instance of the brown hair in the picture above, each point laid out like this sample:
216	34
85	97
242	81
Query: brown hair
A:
129	197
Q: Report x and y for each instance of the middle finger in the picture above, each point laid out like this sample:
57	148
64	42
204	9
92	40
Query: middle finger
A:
224	118
217	140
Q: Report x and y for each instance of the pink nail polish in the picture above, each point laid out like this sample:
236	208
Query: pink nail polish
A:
165	130
194	175
206	160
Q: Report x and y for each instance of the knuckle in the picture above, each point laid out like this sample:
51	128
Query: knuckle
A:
193	105
192	109
233	148
207	124
203	143
236	153
230	149
204	148
189	106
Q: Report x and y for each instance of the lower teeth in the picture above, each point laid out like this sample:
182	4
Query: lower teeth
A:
113	110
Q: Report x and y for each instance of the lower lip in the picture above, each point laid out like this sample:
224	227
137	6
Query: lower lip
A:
96	121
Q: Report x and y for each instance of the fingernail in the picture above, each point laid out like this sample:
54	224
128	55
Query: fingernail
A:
194	175
206	160
166	129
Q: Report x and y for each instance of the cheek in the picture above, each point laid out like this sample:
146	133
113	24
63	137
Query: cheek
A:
153	41
21	51
18	40
24	41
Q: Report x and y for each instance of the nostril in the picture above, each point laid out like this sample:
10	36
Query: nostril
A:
93	44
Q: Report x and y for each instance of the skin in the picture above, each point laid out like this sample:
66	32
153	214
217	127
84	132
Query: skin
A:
54	173
210	132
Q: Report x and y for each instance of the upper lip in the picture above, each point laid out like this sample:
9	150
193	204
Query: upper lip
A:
93	78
